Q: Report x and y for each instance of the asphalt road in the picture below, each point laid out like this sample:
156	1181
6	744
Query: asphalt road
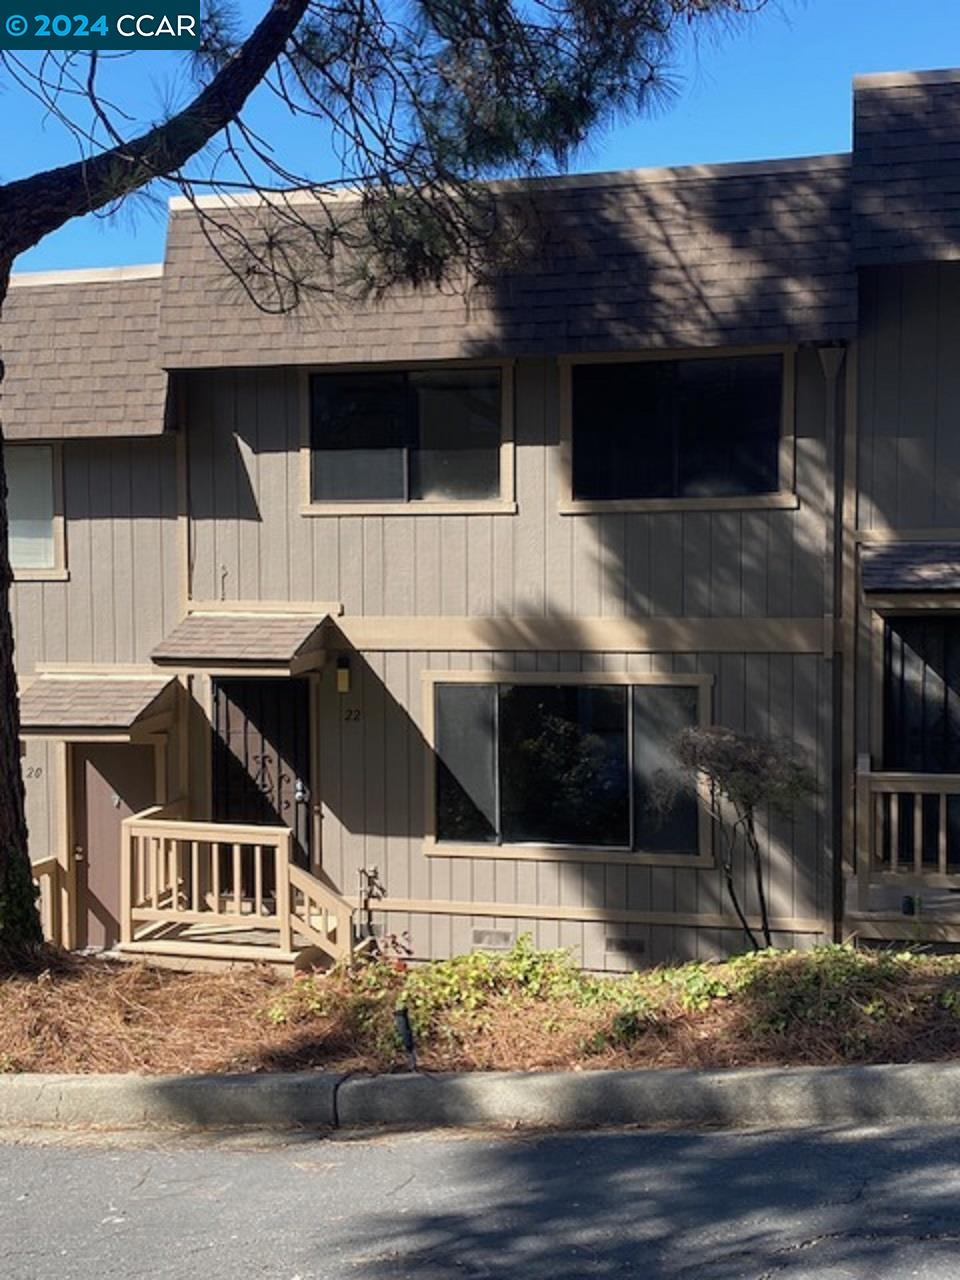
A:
837	1205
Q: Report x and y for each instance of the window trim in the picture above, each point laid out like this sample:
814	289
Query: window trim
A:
59	571
506	504
434	848
785	498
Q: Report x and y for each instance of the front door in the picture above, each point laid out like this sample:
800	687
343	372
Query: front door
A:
261	755
922	694
921	728
111	780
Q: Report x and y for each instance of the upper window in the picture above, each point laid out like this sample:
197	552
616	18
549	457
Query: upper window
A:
677	428
562	764
420	436
31	506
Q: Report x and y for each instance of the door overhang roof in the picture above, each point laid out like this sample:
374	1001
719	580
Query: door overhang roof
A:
288	642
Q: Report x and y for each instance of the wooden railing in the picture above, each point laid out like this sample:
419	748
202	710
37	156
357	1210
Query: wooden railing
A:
47	877
320	914
908	830
229	876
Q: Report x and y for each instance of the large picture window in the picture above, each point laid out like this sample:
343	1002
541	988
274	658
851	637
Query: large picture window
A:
31	506
418	436
560	764
692	428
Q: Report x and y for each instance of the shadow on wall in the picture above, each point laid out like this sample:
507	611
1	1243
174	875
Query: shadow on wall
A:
373	762
693	263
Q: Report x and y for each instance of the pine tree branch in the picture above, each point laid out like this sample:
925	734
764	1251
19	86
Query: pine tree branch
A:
31	208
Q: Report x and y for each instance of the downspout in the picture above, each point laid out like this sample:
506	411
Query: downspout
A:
831	362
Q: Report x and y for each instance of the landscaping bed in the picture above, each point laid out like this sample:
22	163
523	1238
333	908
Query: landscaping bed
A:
522	1009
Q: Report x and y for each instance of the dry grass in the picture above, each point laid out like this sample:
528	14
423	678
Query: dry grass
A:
529	1010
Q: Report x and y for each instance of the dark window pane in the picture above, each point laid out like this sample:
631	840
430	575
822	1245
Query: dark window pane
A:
677	428
659	714
361	430
563	765
623	444
458	448
728	426
430	436
465	761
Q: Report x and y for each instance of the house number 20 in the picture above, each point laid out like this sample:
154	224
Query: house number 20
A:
33	771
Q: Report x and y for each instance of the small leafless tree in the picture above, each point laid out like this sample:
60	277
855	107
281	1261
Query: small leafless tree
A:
741	776
419	103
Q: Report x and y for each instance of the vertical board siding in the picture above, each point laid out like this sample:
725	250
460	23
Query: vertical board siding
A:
374	790
250	540
122	594
909	396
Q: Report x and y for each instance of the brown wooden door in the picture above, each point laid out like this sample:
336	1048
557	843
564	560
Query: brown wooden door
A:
261	755
111	780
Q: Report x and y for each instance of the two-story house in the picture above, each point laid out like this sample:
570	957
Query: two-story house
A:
428	584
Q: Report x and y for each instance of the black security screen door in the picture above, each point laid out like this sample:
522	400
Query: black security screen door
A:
922	695
261	755
921	731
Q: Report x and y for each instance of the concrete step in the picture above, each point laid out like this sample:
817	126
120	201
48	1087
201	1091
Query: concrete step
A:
204	957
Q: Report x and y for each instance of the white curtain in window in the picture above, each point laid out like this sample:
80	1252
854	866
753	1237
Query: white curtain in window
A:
30	505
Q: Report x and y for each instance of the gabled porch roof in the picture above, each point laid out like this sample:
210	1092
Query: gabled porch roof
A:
94	705
911	566
285	641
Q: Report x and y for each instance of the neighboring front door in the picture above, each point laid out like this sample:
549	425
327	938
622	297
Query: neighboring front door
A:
261	755
921	724
111	780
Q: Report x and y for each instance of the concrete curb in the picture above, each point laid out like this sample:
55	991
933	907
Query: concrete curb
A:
678	1098
556	1100
306	1100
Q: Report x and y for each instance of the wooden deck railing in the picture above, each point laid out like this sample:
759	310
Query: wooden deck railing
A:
47	877
231	877
320	914
908	830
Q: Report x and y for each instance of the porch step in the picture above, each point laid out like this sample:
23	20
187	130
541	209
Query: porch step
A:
201	957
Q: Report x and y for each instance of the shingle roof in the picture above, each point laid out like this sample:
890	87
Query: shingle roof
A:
80	355
730	254
906	167
242	639
89	702
912	566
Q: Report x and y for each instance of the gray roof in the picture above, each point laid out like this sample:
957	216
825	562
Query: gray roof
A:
80	355
241	639
906	167
703	256
90	702
912	566
722	255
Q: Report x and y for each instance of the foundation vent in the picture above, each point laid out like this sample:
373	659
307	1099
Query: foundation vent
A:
626	946
492	939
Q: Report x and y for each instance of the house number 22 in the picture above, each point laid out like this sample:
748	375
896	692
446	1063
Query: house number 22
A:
352	713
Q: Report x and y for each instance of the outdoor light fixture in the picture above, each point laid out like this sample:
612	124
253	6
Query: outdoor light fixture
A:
343	673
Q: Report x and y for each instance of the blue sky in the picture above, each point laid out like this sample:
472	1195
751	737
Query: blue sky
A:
778	86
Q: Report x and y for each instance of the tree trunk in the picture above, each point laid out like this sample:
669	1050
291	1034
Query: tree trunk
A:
754	845
21	935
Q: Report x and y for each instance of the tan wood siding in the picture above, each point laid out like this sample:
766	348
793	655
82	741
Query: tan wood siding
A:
121	596
909	379
373	788
249	540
